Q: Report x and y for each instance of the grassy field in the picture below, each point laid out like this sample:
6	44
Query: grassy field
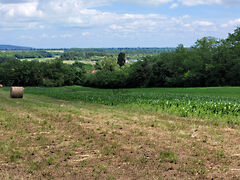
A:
208	103
40	59
53	58
85	62
85	133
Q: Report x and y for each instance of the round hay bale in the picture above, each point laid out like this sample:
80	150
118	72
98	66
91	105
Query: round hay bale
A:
1	86
16	92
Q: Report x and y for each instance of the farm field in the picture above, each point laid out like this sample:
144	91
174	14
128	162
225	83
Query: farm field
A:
39	59
85	133
211	103
53	58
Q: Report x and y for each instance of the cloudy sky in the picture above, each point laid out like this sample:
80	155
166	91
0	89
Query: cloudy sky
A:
115	23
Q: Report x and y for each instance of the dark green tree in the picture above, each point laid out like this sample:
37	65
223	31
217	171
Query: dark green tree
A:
121	59
140	73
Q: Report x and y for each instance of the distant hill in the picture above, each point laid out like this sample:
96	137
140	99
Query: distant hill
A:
141	50
11	47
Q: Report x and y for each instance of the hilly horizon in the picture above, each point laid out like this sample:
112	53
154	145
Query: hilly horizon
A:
14	47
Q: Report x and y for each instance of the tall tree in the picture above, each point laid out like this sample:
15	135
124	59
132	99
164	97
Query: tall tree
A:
121	59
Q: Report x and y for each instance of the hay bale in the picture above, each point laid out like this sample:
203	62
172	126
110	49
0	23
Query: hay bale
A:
1	86
16	92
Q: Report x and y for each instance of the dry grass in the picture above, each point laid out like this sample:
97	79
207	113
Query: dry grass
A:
51	139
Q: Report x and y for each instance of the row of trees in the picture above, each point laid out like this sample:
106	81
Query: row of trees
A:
80	55
116	51
209	62
34	73
27	54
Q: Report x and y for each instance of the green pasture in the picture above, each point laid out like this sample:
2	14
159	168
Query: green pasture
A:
39	59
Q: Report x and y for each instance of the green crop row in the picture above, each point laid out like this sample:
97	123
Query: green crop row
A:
194	102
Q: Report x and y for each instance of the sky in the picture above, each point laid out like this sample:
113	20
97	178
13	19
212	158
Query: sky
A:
115	23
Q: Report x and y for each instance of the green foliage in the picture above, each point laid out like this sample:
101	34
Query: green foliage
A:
139	74
119	50
106	79
210	103
34	73
5	58
80	70
69	55
32	54
108	75
97	54
210	62
121	59
26	54
107	64
168	156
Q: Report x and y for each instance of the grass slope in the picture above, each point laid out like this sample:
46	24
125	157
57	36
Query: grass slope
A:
42	137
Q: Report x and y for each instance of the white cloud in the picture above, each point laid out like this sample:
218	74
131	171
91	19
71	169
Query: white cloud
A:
199	2
65	36
27	14
149	2
42	14
227	3
85	33
115	27
55	12
203	23
26	37
232	23
72	6
147	24
47	36
28	9
14	1
187	25
44	36
174	5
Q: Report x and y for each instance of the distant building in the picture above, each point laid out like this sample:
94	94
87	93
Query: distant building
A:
131	60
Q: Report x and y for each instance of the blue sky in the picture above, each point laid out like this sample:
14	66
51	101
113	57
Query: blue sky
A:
115	23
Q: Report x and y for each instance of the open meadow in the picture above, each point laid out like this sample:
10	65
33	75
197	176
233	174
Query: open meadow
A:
84	133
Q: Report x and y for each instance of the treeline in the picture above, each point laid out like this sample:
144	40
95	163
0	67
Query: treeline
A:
33	54
80	55
27	54
34	73
209	62
124	50
87	53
